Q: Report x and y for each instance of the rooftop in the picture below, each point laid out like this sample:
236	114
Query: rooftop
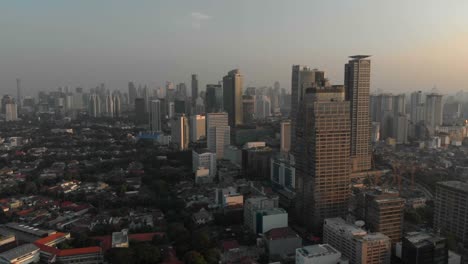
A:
315	251
422	238
280	233
458	185
18	251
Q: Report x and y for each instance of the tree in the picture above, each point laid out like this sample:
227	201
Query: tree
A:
201	241
212	256
194	257
120	256
147	253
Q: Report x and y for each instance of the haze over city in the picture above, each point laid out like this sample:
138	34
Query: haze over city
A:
416	45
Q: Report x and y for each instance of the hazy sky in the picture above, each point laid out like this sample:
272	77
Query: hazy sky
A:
415	44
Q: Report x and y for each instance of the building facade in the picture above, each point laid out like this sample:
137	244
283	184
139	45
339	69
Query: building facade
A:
357	84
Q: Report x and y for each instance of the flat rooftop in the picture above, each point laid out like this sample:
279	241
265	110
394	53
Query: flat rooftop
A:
315	251
457	185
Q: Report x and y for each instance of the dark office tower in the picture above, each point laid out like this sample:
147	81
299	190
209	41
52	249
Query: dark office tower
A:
194	89
248	108
302	78
232	97
357	85
211	102
140	110
424	248
132	94
19	96
451	210
322	155
179	106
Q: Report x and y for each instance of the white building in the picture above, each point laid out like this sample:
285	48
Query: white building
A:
355	243
24	254
253	204
197	127
267	219
262	107
218	133
319	254
203	158
11	112
228	197
283	172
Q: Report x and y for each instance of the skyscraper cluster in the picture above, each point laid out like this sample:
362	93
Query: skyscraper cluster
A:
330	126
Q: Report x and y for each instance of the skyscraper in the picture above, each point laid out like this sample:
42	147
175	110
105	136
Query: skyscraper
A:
94	105
451	211
116	100
212	104
248	108
11	112
180	132
262	107
19	95
322	155
108	105
194	89
132	94
302	77
285	136
357	85
155	116
197	127
232	97
218	133
433	112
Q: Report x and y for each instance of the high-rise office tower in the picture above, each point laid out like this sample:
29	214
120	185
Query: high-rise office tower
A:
451	210
197	127
19	95
382	211
180	132
116	101
140	111
218	133
11	111
322	155
400	119
262	107
170	109
302	77
94	105
109	106
212	105
248	108
194	89
417	107
146	96
433	112
357	85
232	97
6	99
417	113
285	136
155	116
132	94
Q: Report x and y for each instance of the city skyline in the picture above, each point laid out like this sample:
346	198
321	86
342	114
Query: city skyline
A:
153	42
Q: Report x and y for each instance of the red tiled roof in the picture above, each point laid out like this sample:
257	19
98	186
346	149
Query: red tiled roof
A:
68	252
278	233
48	239
79	251
25	212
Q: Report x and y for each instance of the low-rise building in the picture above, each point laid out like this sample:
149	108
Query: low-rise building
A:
24	254
319	254
422	247
267	219
355	243
282	242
